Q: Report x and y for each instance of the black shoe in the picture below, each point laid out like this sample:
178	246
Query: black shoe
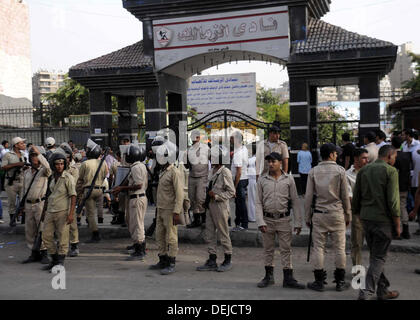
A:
210	264
289	281
406	232
170	268
137	254
162	264
268	279
340	284
196	222
53	262
74	250
34	257
417	271
130	248
44	257
60	261
226	264
95	237
318	284
100	220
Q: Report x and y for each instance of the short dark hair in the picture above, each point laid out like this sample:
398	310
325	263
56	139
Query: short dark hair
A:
380	134
396	142
370	136
4	142
359	151
385	150
327	149
396	133
345	136
409	132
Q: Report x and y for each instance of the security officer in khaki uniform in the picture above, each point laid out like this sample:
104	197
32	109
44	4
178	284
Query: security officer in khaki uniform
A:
221	190
276	195
60	210
13	163
331	215
272	144
73	169
170	198
35	200
86	174
198	163
136	187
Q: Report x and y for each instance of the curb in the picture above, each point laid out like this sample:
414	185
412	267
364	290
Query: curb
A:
250	238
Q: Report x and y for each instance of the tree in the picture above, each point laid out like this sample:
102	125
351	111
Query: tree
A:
72	98
413	85
326	131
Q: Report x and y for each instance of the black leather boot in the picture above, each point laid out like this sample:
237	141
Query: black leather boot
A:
406	233
44	257
163	263
170	268
289	281
210	264
320	277
340	284
268	279
34	257
95	237
53	262
74	250
226	264
100	220
196	222
137	254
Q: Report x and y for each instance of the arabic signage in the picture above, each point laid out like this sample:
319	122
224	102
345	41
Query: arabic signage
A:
262	31
230	91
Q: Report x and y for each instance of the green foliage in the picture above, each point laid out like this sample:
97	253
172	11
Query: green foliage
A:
326	131
70	99
413	85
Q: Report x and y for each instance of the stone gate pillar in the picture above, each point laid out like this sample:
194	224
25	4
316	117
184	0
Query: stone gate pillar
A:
100	117
155	109
127	117
369	105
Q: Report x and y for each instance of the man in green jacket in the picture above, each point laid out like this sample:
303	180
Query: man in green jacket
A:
376	199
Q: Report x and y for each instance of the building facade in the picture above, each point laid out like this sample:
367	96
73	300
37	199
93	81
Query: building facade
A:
15	65
45	82
403	69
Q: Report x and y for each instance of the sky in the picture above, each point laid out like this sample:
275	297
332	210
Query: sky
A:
67	32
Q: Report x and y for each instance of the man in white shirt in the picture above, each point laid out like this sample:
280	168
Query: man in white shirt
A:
371	146
380	138
240	180
410	143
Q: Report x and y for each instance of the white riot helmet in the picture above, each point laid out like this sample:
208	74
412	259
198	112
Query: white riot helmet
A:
50	142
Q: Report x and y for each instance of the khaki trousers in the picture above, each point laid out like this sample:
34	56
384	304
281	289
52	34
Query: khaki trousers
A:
137	208
100	206
166	233
56	222
403	207
329	223
197	193
74	232
33	213
357	236
12	191
217	224
283	229
91	208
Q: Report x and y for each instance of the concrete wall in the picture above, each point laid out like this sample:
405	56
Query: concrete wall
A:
15	62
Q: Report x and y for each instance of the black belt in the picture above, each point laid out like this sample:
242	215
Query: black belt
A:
35	201
102	188
276	215
133	196
319	211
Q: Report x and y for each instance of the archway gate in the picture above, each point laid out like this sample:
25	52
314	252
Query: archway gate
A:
184	37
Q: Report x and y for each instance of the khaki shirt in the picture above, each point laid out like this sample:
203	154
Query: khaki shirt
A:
222	184
74	171
10	158
273	197
198	158
280	147
138	175
329	183
61	192
170	191
87	172
40	184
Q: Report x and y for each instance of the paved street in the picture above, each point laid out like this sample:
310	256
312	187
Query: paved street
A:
101	272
